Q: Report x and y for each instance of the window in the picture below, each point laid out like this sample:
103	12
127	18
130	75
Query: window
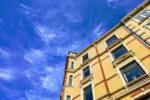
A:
119	51
88	95
112	40
72	65
132	71
85	57
143	16
70	80
86	72
68	97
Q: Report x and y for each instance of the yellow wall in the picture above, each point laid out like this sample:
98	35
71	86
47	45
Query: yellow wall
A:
105	59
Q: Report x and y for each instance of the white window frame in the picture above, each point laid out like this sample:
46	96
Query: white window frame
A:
90	67
141	15
71	65
68	95
84	86
127	62
84	55
68	80
109	38
110	54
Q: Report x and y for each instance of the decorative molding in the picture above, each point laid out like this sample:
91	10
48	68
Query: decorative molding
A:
122	58
86	80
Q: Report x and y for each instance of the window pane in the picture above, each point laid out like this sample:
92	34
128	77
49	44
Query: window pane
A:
70	80
88	95
72	65
119	52
146	13
142	18
85	57
68	97
86	72
111	40
132	72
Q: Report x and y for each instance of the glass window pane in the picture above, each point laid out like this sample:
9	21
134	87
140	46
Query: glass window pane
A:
132	72
146	13
85	57
111	40
88	95
68	97
142	18
70	80
72	65
86	72
119	52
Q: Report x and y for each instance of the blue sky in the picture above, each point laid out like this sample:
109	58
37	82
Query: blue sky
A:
36	35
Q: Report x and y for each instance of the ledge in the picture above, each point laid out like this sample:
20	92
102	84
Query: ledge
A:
85	80
125	56
85	62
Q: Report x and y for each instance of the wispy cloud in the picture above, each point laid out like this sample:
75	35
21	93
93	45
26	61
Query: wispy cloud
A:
6	74
99	30
49	81
4	53
44	33
34	55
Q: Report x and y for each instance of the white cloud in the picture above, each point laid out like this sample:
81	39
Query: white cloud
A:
4	53
6	74
25	6
116	3
99	30
34	55
112	0
50	82
74	46
44	33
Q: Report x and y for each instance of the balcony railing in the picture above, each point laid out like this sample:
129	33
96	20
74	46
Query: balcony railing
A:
125	56
136	84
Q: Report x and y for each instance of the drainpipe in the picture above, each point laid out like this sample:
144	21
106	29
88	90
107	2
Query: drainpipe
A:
135	34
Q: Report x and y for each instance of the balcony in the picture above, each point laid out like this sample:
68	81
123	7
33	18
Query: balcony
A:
122	58
86	80
139	82
136	84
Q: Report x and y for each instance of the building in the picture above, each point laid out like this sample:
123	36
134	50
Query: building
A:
114	67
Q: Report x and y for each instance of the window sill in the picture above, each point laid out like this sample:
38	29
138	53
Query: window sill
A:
86	79
85	62
69	86
125	56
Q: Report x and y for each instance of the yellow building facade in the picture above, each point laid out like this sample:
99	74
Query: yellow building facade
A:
114	67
